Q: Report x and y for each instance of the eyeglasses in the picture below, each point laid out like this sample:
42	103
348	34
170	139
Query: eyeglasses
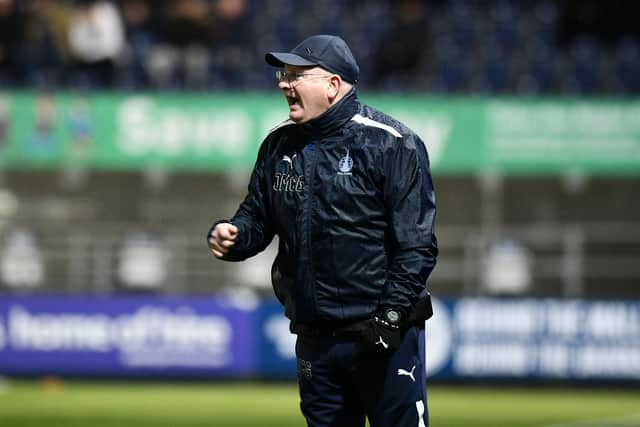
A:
296	76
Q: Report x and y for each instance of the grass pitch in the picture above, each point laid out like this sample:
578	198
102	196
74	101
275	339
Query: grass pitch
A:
54	403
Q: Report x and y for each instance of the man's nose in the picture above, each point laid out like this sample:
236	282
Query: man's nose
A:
284	84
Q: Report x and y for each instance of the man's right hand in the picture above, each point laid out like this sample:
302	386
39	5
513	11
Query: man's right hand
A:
222	238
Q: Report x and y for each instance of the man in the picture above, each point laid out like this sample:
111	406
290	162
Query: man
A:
348	191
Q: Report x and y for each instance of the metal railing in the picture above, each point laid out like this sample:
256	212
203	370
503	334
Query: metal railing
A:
577	260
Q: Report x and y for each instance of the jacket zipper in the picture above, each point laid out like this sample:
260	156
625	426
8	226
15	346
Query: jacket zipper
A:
309	285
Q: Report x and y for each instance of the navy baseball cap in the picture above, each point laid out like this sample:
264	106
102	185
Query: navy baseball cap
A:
328	52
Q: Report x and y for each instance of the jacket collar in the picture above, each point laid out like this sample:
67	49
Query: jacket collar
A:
332	120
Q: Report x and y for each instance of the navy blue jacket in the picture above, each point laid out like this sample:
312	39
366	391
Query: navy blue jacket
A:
350	196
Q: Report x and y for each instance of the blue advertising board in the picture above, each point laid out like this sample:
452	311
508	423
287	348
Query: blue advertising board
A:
209	337
101	336
277	358
534	339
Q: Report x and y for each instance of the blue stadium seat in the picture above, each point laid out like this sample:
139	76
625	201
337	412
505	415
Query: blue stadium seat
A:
545	19
450	70
587	58
542	65
628	65
504	20
496	70
462	24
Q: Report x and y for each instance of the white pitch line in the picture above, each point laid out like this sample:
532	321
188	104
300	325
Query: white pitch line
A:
626	421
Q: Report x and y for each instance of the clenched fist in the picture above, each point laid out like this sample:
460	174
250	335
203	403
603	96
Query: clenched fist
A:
221	238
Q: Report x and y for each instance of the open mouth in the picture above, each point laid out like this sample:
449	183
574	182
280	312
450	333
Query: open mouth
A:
292	101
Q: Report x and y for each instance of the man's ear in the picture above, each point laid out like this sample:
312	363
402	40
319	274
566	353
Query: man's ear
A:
335	82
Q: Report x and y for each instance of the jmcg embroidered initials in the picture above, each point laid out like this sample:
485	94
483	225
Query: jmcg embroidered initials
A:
286	182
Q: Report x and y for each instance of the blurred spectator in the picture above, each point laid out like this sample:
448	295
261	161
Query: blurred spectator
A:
182	55
45	48
141	29
21	260
96	40
187	23
231	39
10	26
404	45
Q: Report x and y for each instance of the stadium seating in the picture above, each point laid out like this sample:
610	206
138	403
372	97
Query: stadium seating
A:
519	43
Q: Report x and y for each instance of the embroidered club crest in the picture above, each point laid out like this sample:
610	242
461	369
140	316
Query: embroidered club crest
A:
345	164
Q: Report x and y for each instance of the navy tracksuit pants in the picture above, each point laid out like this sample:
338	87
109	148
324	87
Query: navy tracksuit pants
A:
338	388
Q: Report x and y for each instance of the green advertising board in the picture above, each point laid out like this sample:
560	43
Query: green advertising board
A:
222	131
